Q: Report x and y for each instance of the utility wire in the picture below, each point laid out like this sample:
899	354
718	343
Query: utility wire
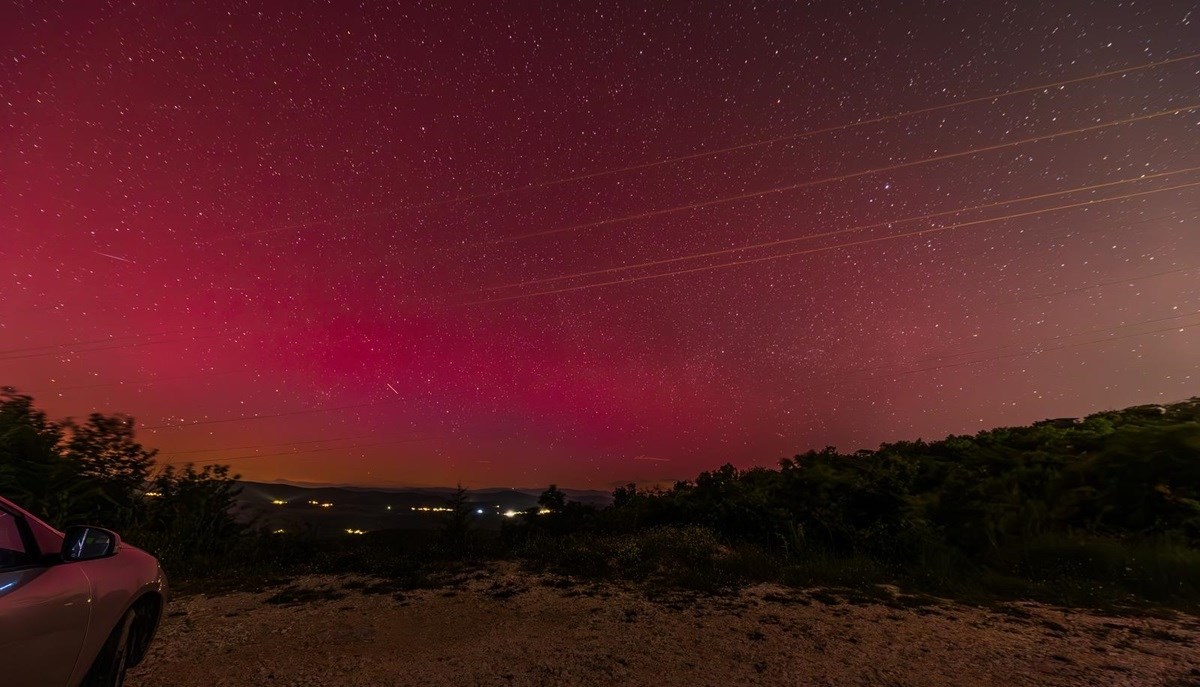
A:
108	348
833	179
327	409
308	451
838	232
710	153
810	251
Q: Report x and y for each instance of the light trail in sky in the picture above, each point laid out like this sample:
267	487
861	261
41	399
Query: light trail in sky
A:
858	227
837	178
382	212
823	249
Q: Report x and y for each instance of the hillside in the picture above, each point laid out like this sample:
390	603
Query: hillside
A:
289	507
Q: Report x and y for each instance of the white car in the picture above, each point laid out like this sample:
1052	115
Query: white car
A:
76	608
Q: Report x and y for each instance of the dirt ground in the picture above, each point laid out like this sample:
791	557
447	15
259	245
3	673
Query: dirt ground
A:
501	627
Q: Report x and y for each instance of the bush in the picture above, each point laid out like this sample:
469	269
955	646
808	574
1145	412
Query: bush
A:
686	557
1099	510
819	569
1092	569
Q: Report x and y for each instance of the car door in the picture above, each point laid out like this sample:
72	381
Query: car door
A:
44	610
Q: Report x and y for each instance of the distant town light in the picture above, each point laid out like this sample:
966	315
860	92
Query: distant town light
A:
354	531
327	505
510	513
479	511
278	531
154	494
432	509
278	502
544	511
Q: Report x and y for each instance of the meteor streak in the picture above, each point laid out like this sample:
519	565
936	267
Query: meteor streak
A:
115	257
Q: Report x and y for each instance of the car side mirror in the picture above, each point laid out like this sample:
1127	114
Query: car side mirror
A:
85	543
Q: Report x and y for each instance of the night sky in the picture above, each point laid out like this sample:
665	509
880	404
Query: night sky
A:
436	242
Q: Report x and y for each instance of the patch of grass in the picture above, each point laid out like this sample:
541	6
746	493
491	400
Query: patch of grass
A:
505	590
1013	611
787	599
1160	635
825	597
916	601
670	557
294	596
558	582
1110	571
1111	576
1054	627
819	569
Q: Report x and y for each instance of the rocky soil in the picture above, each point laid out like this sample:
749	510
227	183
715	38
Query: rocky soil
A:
498	626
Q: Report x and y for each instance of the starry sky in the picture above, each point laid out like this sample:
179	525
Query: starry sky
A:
507	243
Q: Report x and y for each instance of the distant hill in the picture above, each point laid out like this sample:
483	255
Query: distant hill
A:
287	506
503	496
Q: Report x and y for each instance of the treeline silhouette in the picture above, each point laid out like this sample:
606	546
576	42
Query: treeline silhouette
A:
1097	510
1088	509
95	472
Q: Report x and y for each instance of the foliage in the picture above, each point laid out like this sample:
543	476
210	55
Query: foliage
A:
553	498
1102	509
97	472
33	469
1105	506
457	529
192	515
110	458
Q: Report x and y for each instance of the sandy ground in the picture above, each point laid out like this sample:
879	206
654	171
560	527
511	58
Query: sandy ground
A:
502	627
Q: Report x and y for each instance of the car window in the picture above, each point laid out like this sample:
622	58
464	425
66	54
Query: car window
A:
13	552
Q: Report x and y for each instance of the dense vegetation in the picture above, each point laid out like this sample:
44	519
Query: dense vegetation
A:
1103	509
1086	510
95	472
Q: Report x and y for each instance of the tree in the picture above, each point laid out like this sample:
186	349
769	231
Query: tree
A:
553	499
33	470
107	453
192	515
458	521
625	496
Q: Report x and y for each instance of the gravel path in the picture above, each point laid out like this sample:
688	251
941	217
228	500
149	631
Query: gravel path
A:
500	627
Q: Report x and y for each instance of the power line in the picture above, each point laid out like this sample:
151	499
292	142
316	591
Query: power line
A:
1098	285
1094	330
858	227
851	244
255	446
997	304
710	153
181	425
833	179
884	369
109	339
144	382
108	348
413	440
1036	350
1045	350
